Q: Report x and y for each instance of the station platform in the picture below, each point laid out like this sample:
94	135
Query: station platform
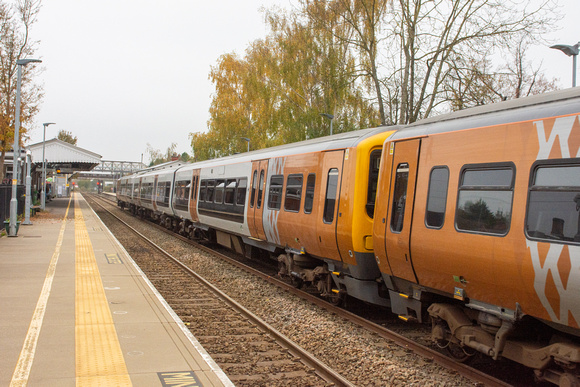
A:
76	311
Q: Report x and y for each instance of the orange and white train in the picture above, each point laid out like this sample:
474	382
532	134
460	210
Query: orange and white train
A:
469	220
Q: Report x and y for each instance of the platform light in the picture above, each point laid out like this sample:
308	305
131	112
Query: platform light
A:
248	140
570	51
16	148
43	196
330	117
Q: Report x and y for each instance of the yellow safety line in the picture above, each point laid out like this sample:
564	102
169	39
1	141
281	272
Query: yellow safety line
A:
26	358
99	359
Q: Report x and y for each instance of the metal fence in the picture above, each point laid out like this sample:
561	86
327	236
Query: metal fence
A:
6	196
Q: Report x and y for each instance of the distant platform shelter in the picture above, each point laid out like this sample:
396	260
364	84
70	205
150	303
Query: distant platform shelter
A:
64	157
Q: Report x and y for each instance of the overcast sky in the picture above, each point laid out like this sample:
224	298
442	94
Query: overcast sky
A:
123	73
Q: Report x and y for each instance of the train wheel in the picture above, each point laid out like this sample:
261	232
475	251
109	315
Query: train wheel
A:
460	354
336	299
296	281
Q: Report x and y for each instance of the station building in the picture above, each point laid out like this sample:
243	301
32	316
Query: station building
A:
63	161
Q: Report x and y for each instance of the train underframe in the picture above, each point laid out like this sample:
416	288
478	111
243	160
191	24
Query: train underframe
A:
463	328
467	327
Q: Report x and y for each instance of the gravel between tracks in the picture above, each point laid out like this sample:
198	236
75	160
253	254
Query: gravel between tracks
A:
364	358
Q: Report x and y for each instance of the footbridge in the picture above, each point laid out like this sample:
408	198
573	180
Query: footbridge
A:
111	170
62	158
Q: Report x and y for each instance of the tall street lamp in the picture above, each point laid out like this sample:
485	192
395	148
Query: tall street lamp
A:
570	51
43	195
248	140
16	148
27	202
330	117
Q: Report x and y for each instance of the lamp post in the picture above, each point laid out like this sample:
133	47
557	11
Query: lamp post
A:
43	195
16	149
330	117
248	140
570	51
28	189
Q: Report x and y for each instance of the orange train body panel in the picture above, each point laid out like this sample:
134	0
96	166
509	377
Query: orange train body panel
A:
510	271
469	220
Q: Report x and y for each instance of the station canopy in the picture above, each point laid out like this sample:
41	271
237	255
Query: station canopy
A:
64	157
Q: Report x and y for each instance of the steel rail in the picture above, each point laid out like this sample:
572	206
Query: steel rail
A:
306	357
439	358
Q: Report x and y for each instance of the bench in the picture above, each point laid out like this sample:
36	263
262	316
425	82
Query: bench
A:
34	210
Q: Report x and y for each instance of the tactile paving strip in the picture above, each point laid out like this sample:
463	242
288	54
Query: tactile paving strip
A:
99	359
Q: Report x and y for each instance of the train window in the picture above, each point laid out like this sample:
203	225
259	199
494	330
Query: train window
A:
241	191
437	197
147	191
230	191
181	194
554	204
254	186
309	197
219	191
260	189
399	197
160	188
373	181
165	193
210	195
275	193
202	190
484	200
293	193
330	201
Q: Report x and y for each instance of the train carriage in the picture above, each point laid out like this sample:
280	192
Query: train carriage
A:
469	220
478	219
309	205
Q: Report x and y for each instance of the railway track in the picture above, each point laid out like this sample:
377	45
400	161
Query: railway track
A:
185	311
250	351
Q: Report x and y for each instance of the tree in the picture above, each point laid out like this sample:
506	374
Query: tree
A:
420	56
355	24
277	91
475	83
157	157
66	136
15	44
428	38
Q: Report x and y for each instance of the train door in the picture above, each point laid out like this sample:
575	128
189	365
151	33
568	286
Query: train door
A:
155	194
137	191
330	181
400	208
257	199
193	193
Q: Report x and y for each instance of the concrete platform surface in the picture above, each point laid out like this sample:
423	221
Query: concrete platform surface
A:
76	311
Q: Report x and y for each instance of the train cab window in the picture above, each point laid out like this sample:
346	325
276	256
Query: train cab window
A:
400	197
437	197
293	193
254	186
219	191
373	181
260	189
275	192
331	193
230	191
309	196
241	192
484	201
554	204
202	190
